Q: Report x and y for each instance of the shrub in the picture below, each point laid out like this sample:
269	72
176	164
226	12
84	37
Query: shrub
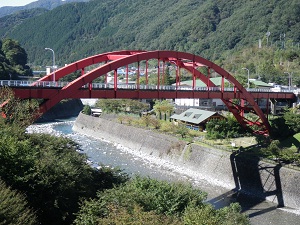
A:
229	128
206	214
151	195
87	110
147	201
182	130
136	216
168	127
14	208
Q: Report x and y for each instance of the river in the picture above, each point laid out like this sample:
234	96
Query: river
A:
103	153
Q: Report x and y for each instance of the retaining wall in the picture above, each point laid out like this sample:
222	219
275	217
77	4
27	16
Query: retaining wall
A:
233	171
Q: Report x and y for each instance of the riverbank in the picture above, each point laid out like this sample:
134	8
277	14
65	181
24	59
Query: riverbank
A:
64	109
268	181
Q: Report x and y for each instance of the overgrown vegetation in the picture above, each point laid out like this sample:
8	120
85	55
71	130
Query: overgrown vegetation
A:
121	106
225	128
147	201
49	171
14	207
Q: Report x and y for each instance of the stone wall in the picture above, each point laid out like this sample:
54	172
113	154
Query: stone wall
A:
233	171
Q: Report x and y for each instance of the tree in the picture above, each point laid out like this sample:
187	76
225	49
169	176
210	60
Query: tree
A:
87	110
15	59
14	207
292	119
286	125
48	169
15	54
182	130
168	80
17	112
52	174
163	107
121	105
224	128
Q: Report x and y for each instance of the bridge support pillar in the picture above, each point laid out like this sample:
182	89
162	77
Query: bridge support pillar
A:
273	106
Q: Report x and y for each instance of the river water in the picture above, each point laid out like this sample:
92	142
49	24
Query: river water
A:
103	153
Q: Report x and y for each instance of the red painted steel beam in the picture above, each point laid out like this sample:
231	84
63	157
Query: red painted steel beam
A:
26	93
183	60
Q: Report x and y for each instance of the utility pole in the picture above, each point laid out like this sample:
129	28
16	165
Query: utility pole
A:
290	79
53	59
248	83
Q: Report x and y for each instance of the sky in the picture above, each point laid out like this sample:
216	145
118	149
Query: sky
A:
15	2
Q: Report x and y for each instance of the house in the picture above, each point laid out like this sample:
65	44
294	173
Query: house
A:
196	119
260	84
201	103
217	104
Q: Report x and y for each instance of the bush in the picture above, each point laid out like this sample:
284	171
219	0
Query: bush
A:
221	129
14	208
120	215
206	214
276	152
182	130
168	127
87	110
151	195
147	201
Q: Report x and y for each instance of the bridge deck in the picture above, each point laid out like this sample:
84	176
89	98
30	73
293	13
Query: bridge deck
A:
25	89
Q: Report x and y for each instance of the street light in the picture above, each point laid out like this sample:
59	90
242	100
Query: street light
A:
248	84
290	79
53	66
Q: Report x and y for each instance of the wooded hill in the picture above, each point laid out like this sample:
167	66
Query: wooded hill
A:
214	29
43	4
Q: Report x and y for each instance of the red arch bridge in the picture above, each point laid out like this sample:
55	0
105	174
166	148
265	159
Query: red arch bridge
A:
237	98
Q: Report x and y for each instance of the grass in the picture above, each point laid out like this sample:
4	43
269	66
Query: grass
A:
236	143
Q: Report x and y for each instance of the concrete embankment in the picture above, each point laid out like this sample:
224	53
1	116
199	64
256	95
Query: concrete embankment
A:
273	182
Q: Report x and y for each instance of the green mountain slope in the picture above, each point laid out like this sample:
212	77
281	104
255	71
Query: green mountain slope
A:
45	4
205	27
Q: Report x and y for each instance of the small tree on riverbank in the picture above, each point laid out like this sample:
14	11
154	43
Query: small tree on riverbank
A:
222	129
87	110
17	112
163	108
121	106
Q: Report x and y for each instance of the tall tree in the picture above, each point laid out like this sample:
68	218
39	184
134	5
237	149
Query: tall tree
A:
13	60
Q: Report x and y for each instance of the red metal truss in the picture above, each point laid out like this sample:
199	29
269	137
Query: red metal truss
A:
111	61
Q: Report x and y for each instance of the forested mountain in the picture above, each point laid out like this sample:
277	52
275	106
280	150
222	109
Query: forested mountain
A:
45	4
210	28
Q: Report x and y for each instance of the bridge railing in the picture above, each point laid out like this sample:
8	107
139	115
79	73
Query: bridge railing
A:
58	84
25	83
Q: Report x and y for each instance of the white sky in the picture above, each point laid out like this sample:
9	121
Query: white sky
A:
15	2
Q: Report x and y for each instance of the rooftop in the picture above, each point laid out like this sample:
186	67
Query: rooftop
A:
195	116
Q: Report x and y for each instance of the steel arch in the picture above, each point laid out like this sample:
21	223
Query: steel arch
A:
113	60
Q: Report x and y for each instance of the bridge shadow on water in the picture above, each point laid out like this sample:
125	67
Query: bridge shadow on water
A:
255	181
